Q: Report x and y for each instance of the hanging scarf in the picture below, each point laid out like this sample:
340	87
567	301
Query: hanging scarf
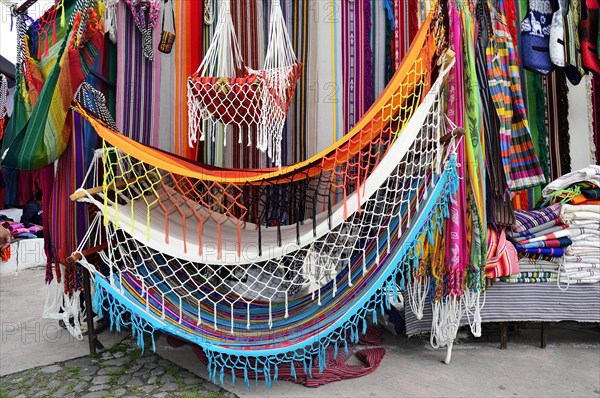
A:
588	35
499	208
139	82
558	124
456	250
596	115
145	15
356	61
474	145
520	162
573	65
3	107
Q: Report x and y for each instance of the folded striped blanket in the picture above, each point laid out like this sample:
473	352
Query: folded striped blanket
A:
567	208
540	269
547	251
538	257
580	212
577	276
559	242
550	236
527	220
578	259
582	249
551	229
514	279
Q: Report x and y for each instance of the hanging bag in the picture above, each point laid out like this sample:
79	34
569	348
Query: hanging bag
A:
167	38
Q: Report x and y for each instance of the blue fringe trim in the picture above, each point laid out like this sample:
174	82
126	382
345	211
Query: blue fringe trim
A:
124	312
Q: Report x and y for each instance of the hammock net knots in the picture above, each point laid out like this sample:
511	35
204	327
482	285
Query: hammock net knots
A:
265	267
225	93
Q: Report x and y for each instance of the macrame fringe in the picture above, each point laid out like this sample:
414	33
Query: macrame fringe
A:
473	304
444	326
123	312
57	300
418	292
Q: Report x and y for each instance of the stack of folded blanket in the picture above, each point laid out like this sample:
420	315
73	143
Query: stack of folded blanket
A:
581	262
561	241
540	237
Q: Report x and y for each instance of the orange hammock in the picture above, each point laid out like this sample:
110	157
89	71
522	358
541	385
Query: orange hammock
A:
402	95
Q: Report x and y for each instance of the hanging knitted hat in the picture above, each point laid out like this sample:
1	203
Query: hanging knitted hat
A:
588	35
535	37
145	15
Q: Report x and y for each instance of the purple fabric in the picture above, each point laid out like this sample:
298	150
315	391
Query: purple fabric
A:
526	220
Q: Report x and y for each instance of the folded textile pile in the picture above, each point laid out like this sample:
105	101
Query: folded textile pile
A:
540	237
20	231
561	241
581	262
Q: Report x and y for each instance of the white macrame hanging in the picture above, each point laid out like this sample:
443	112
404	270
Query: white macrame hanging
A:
224	92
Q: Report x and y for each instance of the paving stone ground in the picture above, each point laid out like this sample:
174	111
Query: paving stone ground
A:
122	371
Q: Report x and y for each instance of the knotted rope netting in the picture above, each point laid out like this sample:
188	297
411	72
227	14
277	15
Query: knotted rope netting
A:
265	267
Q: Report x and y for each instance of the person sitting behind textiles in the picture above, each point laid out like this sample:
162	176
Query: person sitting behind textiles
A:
32	211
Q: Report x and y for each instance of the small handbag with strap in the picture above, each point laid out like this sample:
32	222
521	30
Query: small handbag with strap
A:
167	38
503	259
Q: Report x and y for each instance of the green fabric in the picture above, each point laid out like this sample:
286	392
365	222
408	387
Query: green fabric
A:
536	108
474	144
34	138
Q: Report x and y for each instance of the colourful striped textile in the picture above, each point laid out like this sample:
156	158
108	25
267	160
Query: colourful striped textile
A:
538	274
518	279
546	251
405	26
3	107
557	120
547	235
499	208
38	131
527	220
357	78
502	257
475	151
507	302
457	256
520	162
559	242
552	227
138	81
186	56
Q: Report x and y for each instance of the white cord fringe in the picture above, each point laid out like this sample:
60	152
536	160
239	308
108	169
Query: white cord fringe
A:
56	300
417	291
445	323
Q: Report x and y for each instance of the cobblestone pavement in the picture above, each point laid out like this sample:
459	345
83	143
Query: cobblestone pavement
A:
122	371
